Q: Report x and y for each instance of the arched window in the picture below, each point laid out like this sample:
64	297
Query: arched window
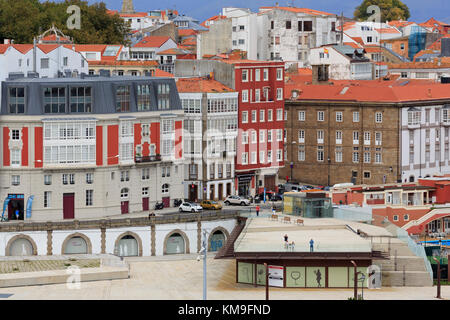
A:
411	178
124	193
21	247
76	245
128	247
217	241
165	188
175	244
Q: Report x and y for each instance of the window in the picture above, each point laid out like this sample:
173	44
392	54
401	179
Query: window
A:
356	116
395	217
165	172
257	95
301	136
244	95
89	197
262	135
80	99
143	97
47	199
15	157
48	179
65	61
414	117
55	100
319	136
279	156
72	178
339	116
280	74
65	179
244	75
404	74
15	180
245	137
378	158
241	41
355	137
301	116
269	135
338	154
301	153
279	135
262	155
165	188
124	193
244	158
288	24
257	74
265	74
338	137
355	157
241	28
163	96
279	114
254	119
254	137
145	174
366	175
15	134
279	93
261	115
270	115
320	116
369	39
123	99
307	26
378	137
366	155
244	116
320	155
45	63
378	117
89	178
124	176
253	157
406	217
367	137
16	100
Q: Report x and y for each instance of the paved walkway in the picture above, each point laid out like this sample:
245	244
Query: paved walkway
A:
180	277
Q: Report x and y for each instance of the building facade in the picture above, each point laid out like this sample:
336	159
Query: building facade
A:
210	124
90	146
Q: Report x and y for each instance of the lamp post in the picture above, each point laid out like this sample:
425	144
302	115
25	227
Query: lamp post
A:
204	249
438	261
363	277
355	284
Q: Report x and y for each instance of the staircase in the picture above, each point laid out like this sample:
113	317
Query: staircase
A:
403	268
227	251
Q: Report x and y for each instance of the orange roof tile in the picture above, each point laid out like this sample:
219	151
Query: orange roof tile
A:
399	23
372	49
201	85
134	15
163	74
213	18
444	63
388	30
52	37
300	10
152	42
187	32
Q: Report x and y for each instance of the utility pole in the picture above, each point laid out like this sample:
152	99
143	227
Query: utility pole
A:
267	280
355	284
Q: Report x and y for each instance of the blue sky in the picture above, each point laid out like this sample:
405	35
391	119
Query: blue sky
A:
421	10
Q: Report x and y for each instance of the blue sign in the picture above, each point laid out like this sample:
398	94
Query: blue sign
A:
5	206
29	205
264	195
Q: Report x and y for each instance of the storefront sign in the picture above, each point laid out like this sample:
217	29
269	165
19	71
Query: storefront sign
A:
276	276
245	178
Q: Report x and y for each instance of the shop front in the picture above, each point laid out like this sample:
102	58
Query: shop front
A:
246	182
319	272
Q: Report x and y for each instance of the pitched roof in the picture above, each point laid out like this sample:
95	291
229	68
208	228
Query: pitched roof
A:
24	48
213	18
174	51
434	64
400	23
369	91
163	74
300	10
134	15
187	32
152	42
185	85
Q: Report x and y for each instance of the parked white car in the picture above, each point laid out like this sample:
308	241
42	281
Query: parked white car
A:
190	207
236	200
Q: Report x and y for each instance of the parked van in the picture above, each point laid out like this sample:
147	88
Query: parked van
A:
343	185
289	187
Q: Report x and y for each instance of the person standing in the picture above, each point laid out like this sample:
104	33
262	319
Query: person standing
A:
311	245
286	242
257	211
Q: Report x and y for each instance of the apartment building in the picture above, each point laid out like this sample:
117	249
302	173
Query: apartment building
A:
89	146
210	131
260	139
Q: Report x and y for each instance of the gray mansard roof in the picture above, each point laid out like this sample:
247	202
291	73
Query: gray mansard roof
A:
103	93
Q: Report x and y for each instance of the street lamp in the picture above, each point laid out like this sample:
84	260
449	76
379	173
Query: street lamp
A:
203	251
355	284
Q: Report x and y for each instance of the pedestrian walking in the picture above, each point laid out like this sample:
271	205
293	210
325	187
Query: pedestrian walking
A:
257	211
311	245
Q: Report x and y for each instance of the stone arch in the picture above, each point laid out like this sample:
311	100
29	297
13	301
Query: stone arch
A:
181	233
17	237
221	229
77	234
132	234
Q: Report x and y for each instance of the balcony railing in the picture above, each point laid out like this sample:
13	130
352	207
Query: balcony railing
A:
146	159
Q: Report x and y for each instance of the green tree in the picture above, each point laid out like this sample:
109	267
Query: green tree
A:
22	20
390	10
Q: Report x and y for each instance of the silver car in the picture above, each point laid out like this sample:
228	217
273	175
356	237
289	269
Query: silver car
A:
237	201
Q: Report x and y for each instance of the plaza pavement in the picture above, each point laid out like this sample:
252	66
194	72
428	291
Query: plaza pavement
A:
180	277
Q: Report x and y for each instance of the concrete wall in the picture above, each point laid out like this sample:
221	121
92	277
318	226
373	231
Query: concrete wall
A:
216	40
223	72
